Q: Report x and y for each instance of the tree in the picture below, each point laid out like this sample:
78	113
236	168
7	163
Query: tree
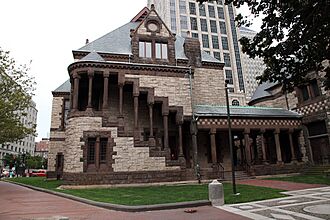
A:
13	160
16	91
294	38
34	162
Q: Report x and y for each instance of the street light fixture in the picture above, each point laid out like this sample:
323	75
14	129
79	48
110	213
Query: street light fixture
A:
230	139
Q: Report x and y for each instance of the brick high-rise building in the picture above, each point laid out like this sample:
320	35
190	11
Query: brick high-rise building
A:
213	23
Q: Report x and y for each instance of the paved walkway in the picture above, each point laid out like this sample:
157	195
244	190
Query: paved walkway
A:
18	202
276	184
312	204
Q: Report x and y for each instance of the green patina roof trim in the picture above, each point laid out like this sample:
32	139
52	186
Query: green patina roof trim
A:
232	106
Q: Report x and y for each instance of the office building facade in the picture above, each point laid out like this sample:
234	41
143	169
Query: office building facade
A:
213	23
27	144
252	67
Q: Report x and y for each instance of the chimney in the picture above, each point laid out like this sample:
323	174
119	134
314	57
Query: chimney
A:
193	51
87	41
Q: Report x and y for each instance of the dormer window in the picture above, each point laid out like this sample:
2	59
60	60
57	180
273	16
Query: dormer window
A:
153	50
161	51
145	49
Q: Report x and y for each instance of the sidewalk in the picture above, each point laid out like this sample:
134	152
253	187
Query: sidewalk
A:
313	204
22	203
276	184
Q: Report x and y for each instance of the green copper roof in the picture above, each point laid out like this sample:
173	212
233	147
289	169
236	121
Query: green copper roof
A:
244	111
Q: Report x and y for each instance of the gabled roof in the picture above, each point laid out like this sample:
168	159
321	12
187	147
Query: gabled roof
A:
244	111
92	56
208	58
117	41
246	29
65	87
141	15
262	91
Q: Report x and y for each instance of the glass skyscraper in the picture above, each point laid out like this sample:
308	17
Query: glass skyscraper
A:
213	23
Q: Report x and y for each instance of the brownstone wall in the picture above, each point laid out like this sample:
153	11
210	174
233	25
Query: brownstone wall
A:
56	117
127	158
55	146
175	88
208	87
280	102
135	177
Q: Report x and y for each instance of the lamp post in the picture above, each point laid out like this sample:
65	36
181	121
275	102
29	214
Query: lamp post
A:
230	139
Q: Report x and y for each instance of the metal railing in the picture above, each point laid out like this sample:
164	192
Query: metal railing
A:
221	170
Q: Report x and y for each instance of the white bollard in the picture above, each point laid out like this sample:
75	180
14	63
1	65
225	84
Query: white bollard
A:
216	195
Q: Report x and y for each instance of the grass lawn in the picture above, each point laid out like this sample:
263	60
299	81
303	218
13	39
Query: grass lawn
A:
157	194
312	179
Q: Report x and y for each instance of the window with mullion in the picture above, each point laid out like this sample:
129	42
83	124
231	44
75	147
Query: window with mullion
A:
91	150
226	58
224	43
213	25
203	25
161	51
221	13
211	11
193	23
215	42
192	8
103	150
223	27
145	49
205	40
202	10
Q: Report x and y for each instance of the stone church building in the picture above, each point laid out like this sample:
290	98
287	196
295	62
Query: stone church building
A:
139	97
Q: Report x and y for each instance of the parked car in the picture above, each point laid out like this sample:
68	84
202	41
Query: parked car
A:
5	173
40	172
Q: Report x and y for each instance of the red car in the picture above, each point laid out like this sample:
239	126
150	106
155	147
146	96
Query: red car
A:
35	173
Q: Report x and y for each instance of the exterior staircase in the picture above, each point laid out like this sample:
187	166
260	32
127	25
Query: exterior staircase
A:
317	170
239	175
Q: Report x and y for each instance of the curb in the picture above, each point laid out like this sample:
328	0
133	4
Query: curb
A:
126	208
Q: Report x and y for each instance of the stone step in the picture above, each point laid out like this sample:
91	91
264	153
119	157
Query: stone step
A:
239	175
317	170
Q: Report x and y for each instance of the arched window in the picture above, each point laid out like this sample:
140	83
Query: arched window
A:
235	102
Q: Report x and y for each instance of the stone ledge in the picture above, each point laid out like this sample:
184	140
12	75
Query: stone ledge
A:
140	208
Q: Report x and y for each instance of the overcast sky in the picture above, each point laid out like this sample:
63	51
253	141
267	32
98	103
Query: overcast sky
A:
46	32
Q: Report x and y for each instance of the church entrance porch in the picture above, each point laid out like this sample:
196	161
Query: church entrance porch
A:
258	141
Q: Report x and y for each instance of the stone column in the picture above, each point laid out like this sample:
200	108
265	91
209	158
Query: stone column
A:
120	109
165	123
151	125
75	91
180	140
247	145
243	154
71	94
278	146
105	90
213	146
97	153
263	147
120	99
90	89
136	115
302	147
293	155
